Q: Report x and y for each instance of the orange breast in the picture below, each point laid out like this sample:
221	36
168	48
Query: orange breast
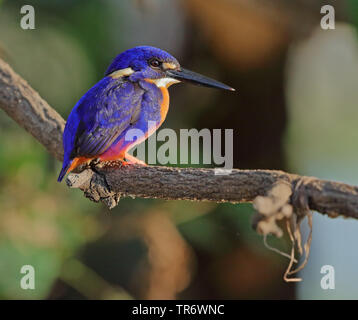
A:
164	107
165	104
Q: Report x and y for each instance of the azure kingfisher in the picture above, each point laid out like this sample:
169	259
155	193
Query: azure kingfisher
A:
132	95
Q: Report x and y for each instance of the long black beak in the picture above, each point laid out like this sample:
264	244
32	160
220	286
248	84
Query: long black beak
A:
196	78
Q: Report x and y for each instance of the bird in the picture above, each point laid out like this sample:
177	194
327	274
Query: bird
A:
133	94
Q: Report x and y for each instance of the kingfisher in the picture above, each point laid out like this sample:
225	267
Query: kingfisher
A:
132	95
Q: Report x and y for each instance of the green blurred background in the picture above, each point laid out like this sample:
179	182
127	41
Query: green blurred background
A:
296	110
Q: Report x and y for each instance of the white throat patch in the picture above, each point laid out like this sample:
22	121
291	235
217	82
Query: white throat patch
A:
164	82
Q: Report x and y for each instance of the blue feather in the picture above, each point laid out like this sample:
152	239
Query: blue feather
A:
102	117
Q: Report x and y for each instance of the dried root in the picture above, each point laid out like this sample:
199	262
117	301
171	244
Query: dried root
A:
290	205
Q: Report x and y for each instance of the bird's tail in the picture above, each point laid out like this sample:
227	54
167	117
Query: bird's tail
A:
64	170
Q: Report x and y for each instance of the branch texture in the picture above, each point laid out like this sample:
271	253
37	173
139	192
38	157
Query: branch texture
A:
112	181
24	105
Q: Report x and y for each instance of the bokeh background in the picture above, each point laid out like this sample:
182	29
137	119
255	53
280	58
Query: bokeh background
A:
296	110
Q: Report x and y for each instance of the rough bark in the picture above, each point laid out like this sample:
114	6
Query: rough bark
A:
24	105
110	183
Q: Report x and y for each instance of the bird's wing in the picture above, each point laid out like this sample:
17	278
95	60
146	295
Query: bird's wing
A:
104	113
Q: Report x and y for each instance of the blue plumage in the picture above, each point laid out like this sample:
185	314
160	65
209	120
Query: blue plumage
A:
105	113
137	58
132	95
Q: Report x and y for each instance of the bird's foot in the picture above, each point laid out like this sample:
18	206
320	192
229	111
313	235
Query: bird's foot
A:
94	162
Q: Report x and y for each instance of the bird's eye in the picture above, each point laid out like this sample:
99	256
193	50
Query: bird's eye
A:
155	63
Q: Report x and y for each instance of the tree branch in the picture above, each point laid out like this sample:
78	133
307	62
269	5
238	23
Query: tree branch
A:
111	182
24	105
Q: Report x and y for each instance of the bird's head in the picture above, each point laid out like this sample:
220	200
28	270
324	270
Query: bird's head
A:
157	66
